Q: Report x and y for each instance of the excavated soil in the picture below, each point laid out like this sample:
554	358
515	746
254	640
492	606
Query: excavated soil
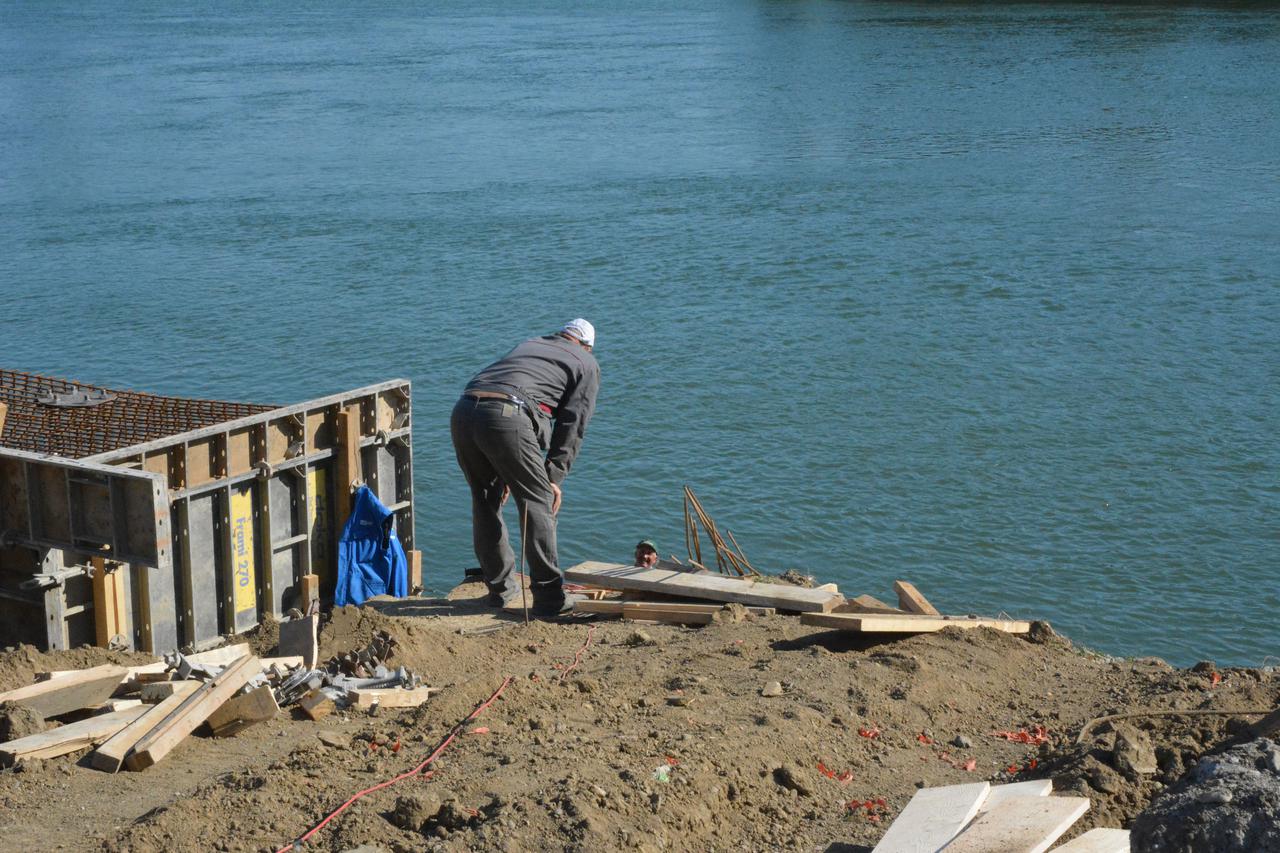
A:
617	736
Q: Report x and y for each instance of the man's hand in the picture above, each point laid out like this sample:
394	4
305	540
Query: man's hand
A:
506	493
556	496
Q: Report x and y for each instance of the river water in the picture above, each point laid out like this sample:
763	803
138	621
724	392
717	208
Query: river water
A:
981	295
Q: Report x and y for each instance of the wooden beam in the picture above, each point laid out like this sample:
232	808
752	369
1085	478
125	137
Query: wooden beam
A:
68	738
909	623
109	615
309	591
71	692
704	586
933	817
111	755
865	604
1029	824
240	712
316	704
347	468
193	711
391	697
617	607
415	570
649	614
910	600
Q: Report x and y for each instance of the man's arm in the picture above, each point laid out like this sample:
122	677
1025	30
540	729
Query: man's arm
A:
572	417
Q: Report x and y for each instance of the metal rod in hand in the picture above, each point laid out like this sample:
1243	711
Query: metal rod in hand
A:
524	598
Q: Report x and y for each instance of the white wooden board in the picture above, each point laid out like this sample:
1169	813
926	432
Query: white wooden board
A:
1000	793
933	817
1020	825
1099	840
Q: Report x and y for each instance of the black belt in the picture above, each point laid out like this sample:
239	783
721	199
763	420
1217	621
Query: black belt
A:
481	396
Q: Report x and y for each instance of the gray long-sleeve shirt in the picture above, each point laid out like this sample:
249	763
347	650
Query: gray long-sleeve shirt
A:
555	372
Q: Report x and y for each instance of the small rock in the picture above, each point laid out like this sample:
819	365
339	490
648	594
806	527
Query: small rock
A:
640	638
680	701
1205	666
771	688
962	742
412	811
587	684
1133	754
793	779
1214	796
334	739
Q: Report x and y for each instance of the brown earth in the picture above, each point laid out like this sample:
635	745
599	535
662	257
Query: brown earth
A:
569	758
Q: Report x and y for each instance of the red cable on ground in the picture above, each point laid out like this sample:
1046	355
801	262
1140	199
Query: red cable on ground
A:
577	659
301	840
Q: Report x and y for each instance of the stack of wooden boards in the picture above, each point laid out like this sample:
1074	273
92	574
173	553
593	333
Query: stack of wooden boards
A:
139	714
983	818
670	591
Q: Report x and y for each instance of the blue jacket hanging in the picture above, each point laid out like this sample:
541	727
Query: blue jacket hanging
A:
371	560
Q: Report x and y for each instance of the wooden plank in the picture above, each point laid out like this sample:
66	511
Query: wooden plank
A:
316	704
1000	793
649	614
221	656
1020	825
68	738
910	599
415	570
240	712
4	410
193	711
109	615
865	604
707	586
298	639
616	606
391	697
310	591
111	755
1098	840
908	623
933	817
71	692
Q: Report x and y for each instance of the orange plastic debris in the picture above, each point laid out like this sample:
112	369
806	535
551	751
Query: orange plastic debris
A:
1037	735
871	732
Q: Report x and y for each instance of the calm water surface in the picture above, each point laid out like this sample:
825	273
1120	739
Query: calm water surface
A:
984	296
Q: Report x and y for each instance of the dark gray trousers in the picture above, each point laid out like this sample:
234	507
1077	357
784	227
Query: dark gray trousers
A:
496	445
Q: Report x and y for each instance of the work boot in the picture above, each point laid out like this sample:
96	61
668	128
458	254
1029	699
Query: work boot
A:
501	598
551	609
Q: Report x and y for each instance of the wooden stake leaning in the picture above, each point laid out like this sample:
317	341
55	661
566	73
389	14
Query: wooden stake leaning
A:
728	560
524	599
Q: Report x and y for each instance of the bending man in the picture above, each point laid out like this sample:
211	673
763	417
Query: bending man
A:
517	429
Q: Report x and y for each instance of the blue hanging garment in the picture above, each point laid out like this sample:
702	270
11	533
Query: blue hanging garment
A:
371	560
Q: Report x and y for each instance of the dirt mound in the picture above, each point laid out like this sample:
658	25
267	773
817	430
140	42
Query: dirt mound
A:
19	664
1228	803
18	721
758	734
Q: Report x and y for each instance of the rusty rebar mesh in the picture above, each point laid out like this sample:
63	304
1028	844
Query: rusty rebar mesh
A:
131	418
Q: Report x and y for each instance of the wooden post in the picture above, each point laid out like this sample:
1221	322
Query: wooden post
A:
309	591
348	468
4	410
415	571
108	603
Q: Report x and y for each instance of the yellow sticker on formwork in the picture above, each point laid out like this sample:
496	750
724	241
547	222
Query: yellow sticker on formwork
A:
244	593
320	534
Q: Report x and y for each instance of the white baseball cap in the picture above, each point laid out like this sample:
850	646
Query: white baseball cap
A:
582	330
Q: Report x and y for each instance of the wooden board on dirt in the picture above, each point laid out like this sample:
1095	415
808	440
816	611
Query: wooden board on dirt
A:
908	623
933	817
240	712
390	697
704	586
70	691
68	738
193	711
1024	824
110	755
618	608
